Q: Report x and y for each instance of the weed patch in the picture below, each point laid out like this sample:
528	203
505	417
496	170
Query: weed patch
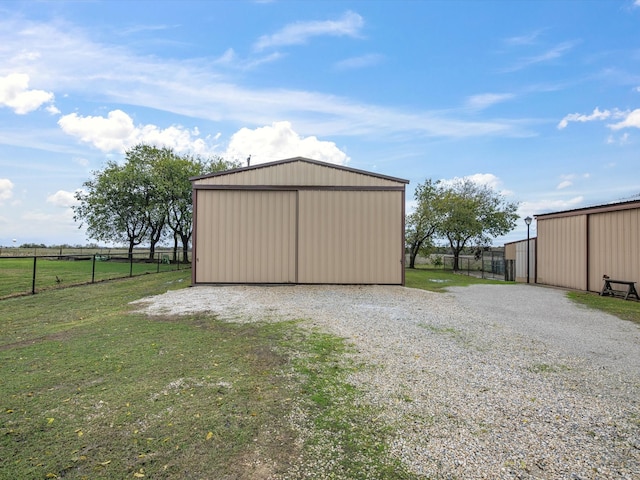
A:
341	436
546	368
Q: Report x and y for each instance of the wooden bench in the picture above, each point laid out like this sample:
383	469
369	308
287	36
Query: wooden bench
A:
607	289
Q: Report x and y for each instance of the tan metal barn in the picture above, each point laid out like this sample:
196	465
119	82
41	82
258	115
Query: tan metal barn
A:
298	221
576	248
516	252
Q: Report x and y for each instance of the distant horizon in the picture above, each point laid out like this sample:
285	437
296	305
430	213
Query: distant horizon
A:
163	246
538	100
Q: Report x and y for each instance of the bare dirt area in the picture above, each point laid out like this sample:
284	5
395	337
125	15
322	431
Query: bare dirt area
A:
487	381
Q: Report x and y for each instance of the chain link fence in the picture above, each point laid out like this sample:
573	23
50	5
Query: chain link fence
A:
489	264
27	274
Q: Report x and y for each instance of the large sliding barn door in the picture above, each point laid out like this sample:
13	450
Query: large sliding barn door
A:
245	236
350	237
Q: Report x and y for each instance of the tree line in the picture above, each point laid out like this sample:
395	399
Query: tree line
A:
145	199
461	212
148	198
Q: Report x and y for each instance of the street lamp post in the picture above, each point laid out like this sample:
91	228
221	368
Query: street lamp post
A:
528	222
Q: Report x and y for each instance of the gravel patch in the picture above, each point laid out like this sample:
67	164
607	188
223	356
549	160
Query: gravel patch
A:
487	381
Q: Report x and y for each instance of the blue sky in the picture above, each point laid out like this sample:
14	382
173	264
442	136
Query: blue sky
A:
539	99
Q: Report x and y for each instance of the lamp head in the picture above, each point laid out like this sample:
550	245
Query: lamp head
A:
528	220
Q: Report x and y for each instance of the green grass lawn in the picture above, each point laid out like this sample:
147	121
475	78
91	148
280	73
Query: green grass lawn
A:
89	389
438	280
16	274
624	309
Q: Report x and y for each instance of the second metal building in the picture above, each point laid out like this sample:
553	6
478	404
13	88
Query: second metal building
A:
298	221
575	248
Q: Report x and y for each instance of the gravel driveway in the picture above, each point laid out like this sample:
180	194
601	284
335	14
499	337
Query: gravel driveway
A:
488	381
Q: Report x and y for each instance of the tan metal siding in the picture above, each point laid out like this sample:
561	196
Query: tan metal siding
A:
562	252
614	247
510	251
521	261
245	236
297	173
350	237
610	207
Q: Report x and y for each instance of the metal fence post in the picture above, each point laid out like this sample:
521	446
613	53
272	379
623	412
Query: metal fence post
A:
93	269
33	282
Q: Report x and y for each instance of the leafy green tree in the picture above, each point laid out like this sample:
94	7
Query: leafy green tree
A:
473	213
144	199
422	225
145	162
113	206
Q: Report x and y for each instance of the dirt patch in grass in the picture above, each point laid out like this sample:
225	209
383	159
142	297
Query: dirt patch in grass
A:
54	337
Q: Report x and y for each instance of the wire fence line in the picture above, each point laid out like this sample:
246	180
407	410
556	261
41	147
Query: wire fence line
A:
29	274
44	251
486	265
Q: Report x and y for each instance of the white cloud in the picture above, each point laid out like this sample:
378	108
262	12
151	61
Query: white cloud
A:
106	134
6	189
230	59
53	110
74	63
481	179
362	61
578	117
410	206
298	33
279	141
488	179
56	222
63	199
146	28
568	179
526	39
485	100
631	119
621	140
15	94
117	132
548	206
551	54
256	62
